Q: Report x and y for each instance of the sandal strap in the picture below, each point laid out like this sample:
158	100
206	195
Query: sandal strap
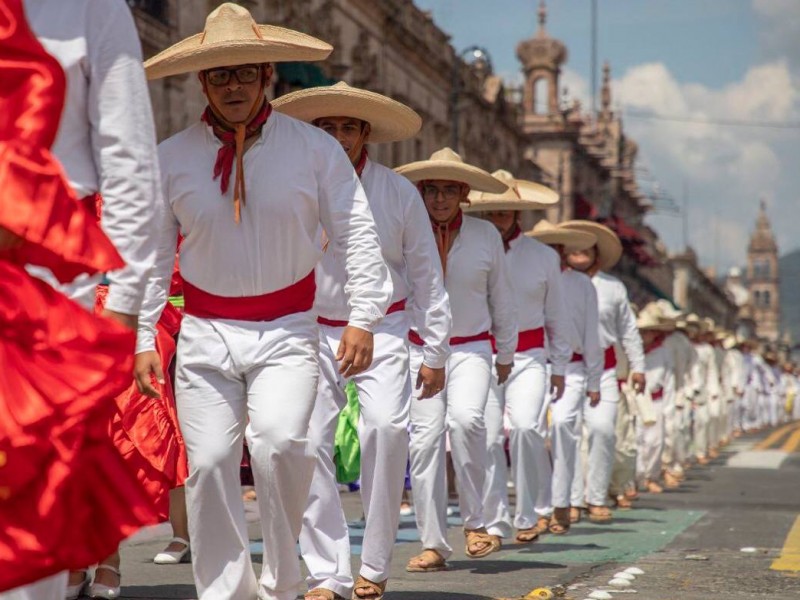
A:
104	567
424	556
324	592
371	586
179	540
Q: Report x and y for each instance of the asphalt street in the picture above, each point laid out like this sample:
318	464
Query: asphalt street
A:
732	531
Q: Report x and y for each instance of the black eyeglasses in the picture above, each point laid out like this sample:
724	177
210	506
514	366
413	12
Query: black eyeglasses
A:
244	74
450	192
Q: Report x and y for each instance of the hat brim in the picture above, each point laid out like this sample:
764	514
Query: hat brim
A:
520	195
447	170
649	325
573	241
608	245
277	44
389	120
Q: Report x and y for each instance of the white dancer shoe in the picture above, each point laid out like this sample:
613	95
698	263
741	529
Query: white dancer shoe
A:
76	591
173	558
100	590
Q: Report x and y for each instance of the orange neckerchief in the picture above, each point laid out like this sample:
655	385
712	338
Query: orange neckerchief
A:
233	136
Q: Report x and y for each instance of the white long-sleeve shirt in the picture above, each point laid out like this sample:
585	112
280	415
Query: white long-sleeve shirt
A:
660	374
297	177
580	302
409	250
538	297
480	289
684	357
106	137
617	321
706	375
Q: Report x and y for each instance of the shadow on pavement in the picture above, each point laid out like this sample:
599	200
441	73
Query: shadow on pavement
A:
433	596
491	567
159	592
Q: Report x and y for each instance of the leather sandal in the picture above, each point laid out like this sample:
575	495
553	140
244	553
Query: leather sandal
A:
526	536
431	561
475	537
599	514
323	593
560	521
575	514
371	590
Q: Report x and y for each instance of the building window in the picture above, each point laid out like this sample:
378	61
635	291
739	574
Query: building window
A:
155	8
757	297
540	96
765	298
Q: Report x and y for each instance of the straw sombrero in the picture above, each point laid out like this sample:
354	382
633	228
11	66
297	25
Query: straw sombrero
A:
520	195
654	310
232	37
446	165
389	120
572	239
650	319
609	248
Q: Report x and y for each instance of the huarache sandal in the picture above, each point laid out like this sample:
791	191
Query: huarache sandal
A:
559	522
427	561
368	590
481	539
599	514
526	536
322	594
575	514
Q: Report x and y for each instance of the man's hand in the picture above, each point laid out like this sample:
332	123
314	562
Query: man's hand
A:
8	241
556	387
638	381
145	366
430	380
594	398
355	351
503	371
129	321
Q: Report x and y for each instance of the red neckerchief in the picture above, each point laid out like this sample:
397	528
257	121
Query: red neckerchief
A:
362	162
657	344
233	147
515	232
444	233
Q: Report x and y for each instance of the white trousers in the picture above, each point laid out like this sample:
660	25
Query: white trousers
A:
49	588
229	372
714	422
650	445
591	481
523	398
459	408
700	432
384	397
565	433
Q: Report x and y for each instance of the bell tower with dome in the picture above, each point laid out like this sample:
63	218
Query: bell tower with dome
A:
763	278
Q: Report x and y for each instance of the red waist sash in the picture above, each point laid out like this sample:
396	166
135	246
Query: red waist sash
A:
396	307
414	338
576	357
609	358
527	340
657	394
296	298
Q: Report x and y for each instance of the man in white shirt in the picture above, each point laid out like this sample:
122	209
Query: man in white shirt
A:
707	389
106	145
617	325
355	118
247	361
583	372
543	326
482	304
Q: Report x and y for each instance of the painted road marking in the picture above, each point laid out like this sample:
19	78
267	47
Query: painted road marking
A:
789	560
793	443
774	438
757	459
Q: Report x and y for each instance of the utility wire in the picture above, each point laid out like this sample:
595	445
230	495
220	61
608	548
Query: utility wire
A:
635	114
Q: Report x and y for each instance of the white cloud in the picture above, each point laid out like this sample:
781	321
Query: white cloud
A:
781	34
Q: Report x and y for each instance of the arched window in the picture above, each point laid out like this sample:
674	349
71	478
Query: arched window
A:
757	297
765	298
540	96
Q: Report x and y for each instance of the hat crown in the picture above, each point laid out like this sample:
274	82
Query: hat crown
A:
230	22
448	155
544	225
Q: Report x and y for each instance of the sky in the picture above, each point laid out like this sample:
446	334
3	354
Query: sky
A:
724	60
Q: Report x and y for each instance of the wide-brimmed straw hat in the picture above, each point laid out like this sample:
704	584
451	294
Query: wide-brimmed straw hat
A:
654	317
520	195
572	239
447	165
231	37
389	120
609	248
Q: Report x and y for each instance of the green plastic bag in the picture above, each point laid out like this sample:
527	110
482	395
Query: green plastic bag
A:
347	450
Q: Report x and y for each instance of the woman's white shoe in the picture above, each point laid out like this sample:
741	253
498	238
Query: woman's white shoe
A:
173	558
75	591
100	590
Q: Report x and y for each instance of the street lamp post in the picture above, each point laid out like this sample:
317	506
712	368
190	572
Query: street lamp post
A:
477	53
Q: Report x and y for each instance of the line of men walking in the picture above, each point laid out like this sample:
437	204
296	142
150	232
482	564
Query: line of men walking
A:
306	264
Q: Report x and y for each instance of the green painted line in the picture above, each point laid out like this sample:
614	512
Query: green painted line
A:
632	535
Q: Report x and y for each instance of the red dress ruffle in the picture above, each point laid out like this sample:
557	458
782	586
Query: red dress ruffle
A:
67	498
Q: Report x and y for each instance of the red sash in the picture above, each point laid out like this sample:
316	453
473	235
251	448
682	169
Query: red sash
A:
576	357
396	307
527	340
657	394
297	298
414	338
609	358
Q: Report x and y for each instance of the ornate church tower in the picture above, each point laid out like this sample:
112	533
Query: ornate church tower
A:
541	57
763	278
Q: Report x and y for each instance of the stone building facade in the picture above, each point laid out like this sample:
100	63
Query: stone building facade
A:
763	279
695	291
